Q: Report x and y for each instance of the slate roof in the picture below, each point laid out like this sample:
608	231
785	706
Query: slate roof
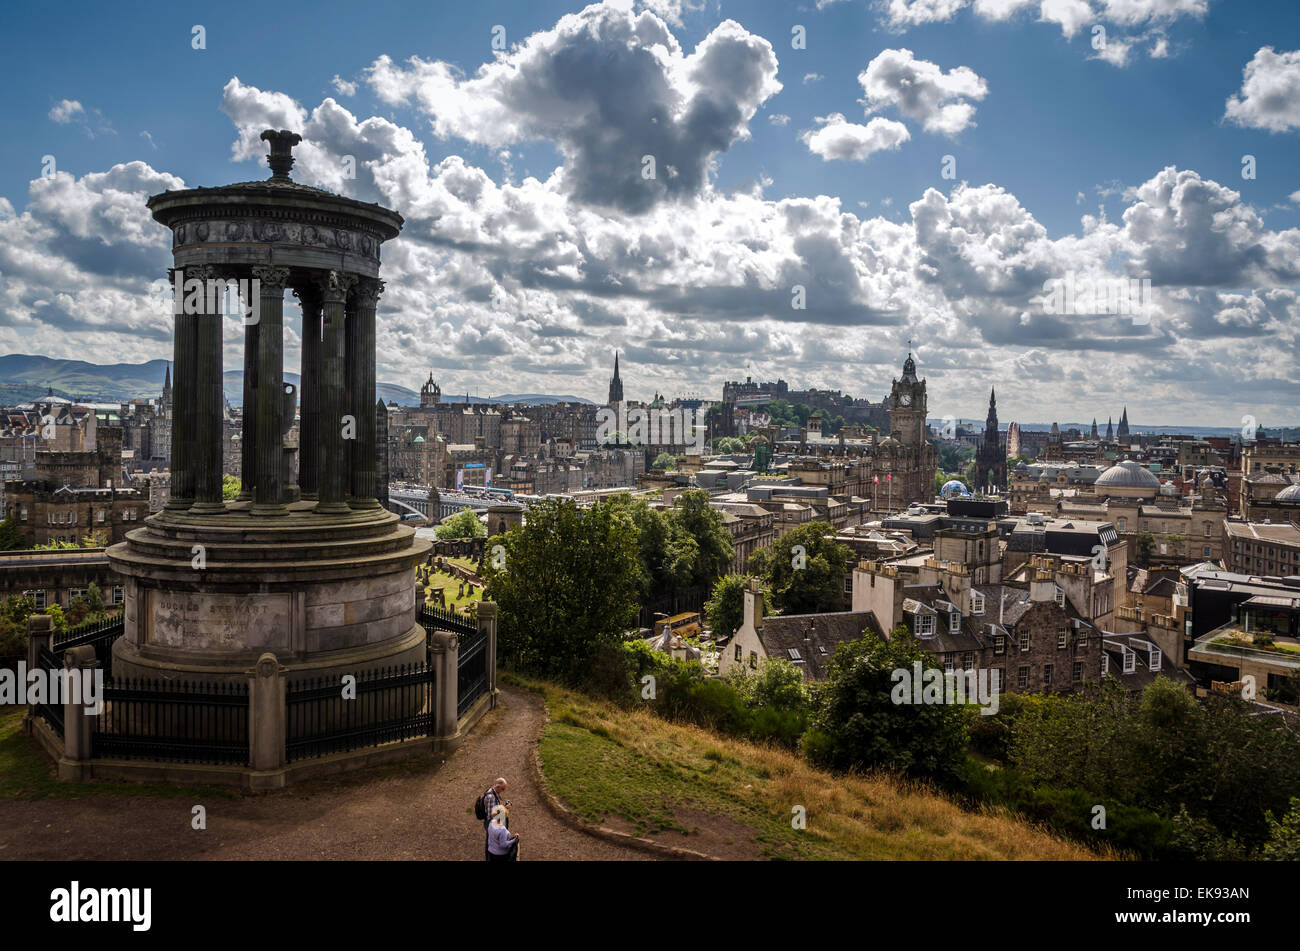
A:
1142	676
782	633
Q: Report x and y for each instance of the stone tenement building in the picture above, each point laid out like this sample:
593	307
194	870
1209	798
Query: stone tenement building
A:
72	494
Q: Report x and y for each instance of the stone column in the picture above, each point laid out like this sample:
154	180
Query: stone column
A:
248	430
208	422
183	394
266	715
363	394
444	654
309	454
351	373
78	714
268	493
40	632
487	622
332	486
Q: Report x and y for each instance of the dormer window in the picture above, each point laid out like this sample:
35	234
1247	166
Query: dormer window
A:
1105	663
1060	596
925	625
1130	661
976	603
954	622
1154	658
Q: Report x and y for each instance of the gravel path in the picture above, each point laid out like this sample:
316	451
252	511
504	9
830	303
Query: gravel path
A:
421	809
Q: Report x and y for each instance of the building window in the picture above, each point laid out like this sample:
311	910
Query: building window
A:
848	584
925	624
1082	640
1024	640
1022	678
753	659
968	660
101	516
999	644
1062	638
739	655
1130	661
1047	675
1105	663
954	622
1121	524
1206	551
1076	672
947	663
1060	596
1155	659
116	596
39	597
976	603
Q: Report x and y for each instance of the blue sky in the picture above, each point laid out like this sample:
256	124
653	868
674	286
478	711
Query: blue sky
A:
1054	133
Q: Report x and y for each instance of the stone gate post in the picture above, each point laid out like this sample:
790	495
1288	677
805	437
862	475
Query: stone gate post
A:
40	633
487	622
266	719
444	653
79	663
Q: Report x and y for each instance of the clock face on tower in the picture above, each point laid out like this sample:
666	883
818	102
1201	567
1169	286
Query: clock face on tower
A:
906	399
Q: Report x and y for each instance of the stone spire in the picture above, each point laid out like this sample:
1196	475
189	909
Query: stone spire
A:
1121	432
1093	434
615	384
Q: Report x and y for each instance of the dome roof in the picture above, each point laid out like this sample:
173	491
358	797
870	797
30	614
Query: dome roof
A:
954	489
1127	475
1290	494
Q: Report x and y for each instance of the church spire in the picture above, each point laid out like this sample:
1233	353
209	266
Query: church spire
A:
615	385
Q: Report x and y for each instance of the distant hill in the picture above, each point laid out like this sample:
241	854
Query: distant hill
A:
25	377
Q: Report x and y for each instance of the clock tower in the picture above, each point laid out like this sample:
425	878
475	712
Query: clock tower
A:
907	407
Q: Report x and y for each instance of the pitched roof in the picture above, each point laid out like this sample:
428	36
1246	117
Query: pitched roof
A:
813	637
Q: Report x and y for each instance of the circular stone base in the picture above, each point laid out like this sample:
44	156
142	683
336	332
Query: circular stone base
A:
326	594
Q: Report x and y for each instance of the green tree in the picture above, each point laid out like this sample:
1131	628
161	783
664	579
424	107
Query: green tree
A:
55	544
652	542
95	598
665	461
856	723
11	539
1146	547
1283	843
464	524
698	548
725	609
568	585
1174	545
803	572
230	488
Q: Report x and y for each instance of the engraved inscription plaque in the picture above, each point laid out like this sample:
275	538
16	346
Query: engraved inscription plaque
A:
219	621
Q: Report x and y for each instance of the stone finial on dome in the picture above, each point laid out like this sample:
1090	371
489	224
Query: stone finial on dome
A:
281	157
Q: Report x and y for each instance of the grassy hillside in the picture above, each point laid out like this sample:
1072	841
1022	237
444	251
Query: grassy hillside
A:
685	786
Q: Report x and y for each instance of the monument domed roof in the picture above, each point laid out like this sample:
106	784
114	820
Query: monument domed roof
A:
1127	475
1290	494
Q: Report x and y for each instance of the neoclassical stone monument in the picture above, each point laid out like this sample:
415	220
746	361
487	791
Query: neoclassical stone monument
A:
318	573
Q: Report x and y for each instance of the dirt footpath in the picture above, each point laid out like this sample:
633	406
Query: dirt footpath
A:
417	810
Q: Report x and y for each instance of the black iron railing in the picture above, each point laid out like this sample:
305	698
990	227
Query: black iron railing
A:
433	617
98	634
178	721
51	711
328	715
471	670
